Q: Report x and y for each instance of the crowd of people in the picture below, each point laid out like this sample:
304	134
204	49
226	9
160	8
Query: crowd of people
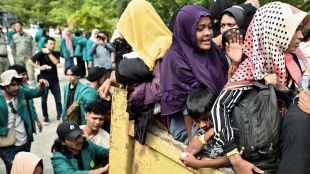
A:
192	76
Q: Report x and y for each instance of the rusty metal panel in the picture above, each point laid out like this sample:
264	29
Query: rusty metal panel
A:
159	155
121	145
149	161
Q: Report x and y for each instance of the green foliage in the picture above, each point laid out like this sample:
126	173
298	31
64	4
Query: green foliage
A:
101	14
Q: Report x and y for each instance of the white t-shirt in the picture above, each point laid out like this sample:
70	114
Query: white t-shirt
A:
21	134
101	139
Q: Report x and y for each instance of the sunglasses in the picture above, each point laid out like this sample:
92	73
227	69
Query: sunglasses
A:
13	110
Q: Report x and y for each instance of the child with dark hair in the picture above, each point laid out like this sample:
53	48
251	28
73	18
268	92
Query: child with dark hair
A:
199	103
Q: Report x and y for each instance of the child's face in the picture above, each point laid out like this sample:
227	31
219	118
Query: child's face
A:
203	122
204	33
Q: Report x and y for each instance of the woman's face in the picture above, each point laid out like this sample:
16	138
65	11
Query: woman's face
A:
68	32
228	22
71	78
204	33
294	44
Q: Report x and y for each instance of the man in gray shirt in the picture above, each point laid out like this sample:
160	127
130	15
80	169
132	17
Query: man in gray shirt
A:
101	53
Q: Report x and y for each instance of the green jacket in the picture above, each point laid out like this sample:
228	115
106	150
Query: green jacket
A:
10	36
22	109
63	164
78	49
33	114
64	50
38	35
41	43
82	42
23	46
89	44
84	94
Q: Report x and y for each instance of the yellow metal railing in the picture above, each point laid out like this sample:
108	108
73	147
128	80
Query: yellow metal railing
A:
159	155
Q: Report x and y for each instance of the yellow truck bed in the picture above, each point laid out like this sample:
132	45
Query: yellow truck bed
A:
159	155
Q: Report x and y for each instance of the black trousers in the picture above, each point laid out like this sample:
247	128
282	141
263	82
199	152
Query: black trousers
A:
81	65
296	142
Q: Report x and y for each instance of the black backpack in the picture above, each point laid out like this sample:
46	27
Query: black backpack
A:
256	121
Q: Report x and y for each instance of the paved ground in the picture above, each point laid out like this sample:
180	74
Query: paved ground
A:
44	140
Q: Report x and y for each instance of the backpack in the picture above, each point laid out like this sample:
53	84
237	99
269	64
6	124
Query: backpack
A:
74	112
256	122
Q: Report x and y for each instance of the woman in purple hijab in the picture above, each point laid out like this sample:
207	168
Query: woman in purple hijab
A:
193	60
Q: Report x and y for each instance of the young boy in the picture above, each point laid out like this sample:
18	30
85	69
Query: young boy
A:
199	103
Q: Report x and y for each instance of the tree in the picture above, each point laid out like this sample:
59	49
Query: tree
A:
94	16
101	14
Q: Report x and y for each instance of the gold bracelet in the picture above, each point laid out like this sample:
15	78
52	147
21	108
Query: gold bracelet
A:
233	152
202	139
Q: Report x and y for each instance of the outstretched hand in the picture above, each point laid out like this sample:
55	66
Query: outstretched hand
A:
273	79
43	83
233	47
104	89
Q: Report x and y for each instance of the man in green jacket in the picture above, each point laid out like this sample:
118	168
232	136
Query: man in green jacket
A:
16	113
74	155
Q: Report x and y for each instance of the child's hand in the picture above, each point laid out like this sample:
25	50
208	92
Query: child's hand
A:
190	161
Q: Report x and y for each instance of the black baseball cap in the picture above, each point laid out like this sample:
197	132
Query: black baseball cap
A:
96	73
69	130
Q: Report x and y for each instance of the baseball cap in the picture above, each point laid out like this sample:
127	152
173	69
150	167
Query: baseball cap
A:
68	130
96	73
7	77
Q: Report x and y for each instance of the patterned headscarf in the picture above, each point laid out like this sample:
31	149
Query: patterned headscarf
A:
266	41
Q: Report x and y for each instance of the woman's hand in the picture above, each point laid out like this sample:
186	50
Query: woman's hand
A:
272	79
304	102
233	48
104	89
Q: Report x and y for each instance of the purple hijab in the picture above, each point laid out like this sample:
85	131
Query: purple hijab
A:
185	67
